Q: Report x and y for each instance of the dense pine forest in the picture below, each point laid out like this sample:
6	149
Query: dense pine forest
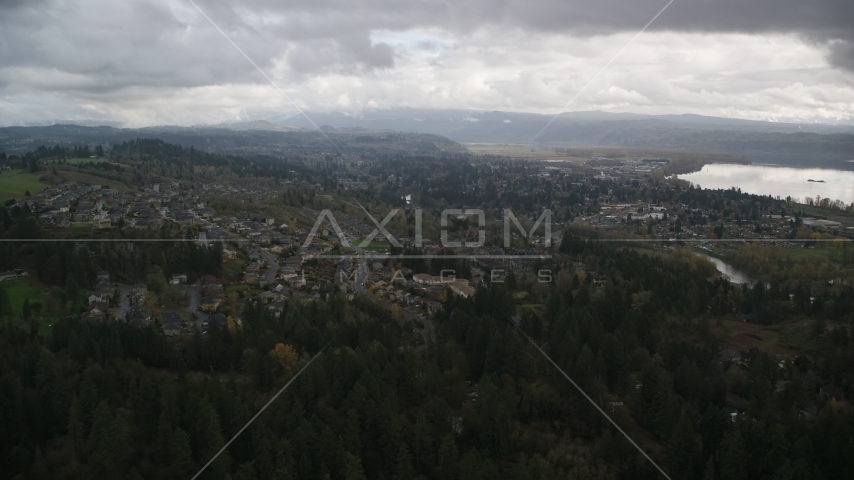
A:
114	401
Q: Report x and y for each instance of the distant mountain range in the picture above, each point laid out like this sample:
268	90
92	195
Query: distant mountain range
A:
481	126
242	139
789	144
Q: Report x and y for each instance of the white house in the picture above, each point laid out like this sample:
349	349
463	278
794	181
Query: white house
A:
4	276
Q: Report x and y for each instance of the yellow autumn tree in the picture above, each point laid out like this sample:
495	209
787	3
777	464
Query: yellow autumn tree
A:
284	357
151	300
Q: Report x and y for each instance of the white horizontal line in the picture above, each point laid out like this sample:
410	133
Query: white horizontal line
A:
496	257
244	240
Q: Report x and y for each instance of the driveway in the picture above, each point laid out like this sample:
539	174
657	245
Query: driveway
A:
429	330
193	297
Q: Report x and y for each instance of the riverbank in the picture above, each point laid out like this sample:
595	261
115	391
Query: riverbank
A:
695	162
729	271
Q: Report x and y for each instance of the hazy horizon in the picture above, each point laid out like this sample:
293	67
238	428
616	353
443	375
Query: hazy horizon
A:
292	119
163	62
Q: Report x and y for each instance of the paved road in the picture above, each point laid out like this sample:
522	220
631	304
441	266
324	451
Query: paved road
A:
193	301
124	301
362	277
101	213
270	274
199	317
429	330
193	297
363	272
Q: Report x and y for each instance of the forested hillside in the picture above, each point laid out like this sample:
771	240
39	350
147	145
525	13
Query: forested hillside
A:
114	401
715	380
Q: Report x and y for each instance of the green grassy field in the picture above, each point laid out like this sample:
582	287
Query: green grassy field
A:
374	246
105	179
527	309
23	289
527	148
78	161
832	254
827	251
808	256
787	338
838	215
14	183
509	149
84	160
233	268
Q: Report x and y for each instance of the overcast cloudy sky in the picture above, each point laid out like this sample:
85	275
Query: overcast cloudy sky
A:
160	61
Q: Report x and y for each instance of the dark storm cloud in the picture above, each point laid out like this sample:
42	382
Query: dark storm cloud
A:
350	56
378	55
334	35
166	44
819	20
842	55
822	21
10	4
110	56
820	17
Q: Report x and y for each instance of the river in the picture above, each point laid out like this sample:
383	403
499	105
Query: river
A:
733	274
777	181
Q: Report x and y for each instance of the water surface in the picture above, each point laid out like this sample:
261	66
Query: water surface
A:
777	181
733	274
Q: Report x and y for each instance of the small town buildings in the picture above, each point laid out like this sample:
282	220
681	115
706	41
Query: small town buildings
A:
426	279
172	323
101	223
7	276
730	355
94	297
217	320
211	303
139	317
94	315
462	289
